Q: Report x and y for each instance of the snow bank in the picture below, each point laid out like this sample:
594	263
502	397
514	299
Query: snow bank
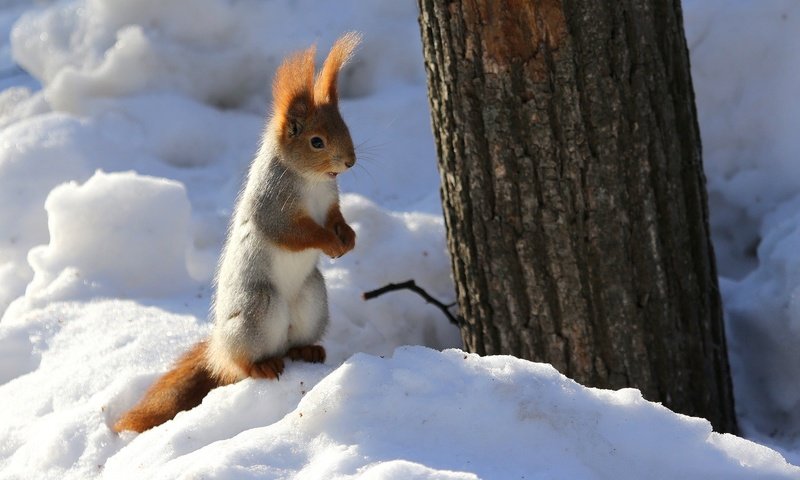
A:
85	355
764	329
466	417
745	65
35	156
217	51
120	235
11	75
418	414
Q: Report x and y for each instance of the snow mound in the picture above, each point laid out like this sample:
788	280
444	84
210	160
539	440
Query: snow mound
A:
93	48
35	156
222	53
746	102
118	234
86	359
764	328
384	418
419	414
748	111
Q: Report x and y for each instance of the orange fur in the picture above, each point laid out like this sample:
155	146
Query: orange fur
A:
182	388
336	223
185	386
305	233
269	368
325	90
293	88
295	94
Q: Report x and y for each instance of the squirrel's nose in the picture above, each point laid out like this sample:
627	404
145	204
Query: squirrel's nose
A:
349	163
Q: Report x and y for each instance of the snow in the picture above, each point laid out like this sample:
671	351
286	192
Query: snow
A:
138	243
117	180
539	422
745	65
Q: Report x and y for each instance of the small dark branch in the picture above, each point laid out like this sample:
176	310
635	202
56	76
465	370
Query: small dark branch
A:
411	285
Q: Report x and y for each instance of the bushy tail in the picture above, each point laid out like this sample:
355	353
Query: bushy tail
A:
182	388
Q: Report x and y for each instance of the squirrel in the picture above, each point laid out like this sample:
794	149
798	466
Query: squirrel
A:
270	301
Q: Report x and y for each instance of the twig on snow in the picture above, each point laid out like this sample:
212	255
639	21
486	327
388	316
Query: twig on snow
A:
411	285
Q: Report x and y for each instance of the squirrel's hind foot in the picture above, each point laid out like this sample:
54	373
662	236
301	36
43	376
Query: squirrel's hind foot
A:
269	368
272	368
307	353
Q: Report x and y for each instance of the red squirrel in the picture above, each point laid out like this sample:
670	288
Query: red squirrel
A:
270	301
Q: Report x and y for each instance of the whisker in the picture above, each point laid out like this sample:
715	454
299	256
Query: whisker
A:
369	160
362	167
391	122
370	155
364	146
354	173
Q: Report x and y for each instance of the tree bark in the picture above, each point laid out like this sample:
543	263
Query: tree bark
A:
574	195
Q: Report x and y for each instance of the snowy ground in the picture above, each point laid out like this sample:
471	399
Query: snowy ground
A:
117	179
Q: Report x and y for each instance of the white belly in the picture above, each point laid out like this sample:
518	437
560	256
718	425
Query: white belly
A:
290	269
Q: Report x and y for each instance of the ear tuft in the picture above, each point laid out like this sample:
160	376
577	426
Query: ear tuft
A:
293	88
325	86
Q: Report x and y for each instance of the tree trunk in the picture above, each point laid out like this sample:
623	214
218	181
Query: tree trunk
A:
574	195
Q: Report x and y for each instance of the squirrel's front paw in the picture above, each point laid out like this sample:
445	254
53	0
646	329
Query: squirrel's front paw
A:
342	241
346	235
334	249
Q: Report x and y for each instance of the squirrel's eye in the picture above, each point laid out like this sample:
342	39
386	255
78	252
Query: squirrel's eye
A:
317	143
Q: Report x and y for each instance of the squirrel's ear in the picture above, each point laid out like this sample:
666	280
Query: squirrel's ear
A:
325	87
293	91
